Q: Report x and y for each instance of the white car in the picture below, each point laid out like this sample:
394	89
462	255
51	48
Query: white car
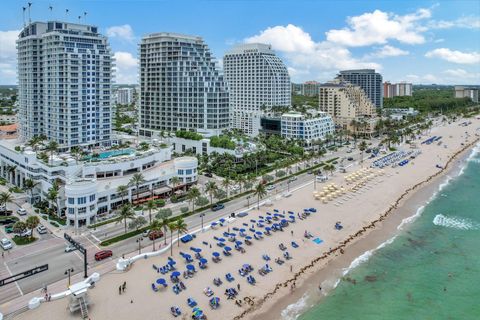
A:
70	248
26	233
271	187
6	244
146	233
21	212
41	229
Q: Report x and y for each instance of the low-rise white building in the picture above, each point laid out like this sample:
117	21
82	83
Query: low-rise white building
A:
88	187
203	146
306	127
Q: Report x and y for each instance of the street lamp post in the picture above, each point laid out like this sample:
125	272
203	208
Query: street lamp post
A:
68	272
139	241
248	201
201	216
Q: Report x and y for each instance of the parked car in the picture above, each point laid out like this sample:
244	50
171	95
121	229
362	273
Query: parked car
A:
242	214
100	255
292	178
155	234
218	206
270	187
349	151
8	220
6	244
208	174
70	248
368	150
9	228
350	159
146	233
21	212
26	233
41	229
187	238
5	212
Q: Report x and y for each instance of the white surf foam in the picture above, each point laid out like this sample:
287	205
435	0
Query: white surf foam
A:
455	222
293	311
410	219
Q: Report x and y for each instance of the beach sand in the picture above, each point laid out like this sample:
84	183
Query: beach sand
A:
382	196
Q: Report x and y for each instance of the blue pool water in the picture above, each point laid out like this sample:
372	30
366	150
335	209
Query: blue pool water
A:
111	153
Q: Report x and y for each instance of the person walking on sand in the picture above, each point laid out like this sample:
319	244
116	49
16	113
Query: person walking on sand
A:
238	286
124	286
291	232
120	290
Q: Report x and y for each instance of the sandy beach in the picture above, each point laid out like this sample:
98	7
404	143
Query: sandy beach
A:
380	205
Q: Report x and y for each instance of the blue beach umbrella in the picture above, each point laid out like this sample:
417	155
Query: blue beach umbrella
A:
203	260
248	238
221	239
259	233
238	243
190	267
171	262
175	274
227	248
216	254
161	281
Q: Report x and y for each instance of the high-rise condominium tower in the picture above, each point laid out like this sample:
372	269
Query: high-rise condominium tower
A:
256	78
64	84
180	86
367	79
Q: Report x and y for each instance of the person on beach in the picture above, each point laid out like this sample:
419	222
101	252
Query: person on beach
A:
238	286
124	286
120	290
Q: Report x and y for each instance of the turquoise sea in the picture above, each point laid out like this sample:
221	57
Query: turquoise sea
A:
431	270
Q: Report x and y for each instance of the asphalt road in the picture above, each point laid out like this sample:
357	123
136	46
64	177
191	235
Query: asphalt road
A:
50	249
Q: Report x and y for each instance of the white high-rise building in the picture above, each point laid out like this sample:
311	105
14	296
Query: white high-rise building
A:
64	84
181	87
256	78
125	95
308	127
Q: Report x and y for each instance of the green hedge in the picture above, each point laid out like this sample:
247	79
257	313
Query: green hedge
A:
188	135
123	236
95	225
20	241
53	223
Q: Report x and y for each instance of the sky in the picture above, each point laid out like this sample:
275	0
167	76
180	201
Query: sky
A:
422	42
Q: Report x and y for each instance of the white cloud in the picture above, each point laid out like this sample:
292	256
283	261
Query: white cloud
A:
378	27
438	40
126	68
462	75
8	56
468	22
454	56
305	57
124	32
389	51
287	39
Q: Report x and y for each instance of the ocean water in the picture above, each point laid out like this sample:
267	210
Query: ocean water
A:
430	270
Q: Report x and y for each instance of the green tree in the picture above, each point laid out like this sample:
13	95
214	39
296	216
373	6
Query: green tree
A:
29	185
163	216
77	153
180	227
192	196
156	225
211	188
226	183
330	167
19	227
151	205
260	192
126	212
172	226
122	190
175	181
362	147
136	180
31	223
52	147
5	198
52	196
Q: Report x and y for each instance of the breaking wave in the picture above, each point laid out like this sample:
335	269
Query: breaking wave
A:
455	223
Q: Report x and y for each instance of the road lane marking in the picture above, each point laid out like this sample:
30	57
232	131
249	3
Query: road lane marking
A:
18	287
96	239
92	242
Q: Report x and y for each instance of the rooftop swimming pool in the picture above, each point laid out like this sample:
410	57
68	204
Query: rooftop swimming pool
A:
111	154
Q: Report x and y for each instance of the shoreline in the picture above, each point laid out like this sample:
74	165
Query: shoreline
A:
367	239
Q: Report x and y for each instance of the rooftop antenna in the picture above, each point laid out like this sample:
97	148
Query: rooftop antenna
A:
29	18
23	14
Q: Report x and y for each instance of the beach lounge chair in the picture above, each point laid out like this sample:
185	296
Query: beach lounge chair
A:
208	292
266	257
175	311
294	244
191	303
154	287
229	277
217	281
287	255
282	247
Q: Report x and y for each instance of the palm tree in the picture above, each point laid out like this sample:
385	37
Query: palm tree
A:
156	225
76	153
192	196
52	147
11	173
241	181
172	226
122	190
151	205
226	183
34	142
180	227
136	180
29	185
163	215
126	212
260	192
32	222
175	181
211	188
362	147
52	195
5	198
329	167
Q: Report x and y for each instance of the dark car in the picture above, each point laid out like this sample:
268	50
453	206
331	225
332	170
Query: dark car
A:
187	238
350	159
242	214
155	234
208	174
368	150
100	255
218	206
9	220
9	228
